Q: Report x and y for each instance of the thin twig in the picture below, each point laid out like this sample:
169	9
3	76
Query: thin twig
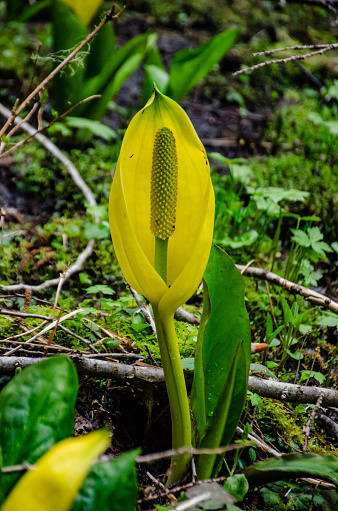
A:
174	453
18	468
306	428
55	151
328	47
158	483
287	48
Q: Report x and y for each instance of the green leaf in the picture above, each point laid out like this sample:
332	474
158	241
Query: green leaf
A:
312	374
68	32
298	320
188	363
107	82
95	127
110	486
244	240
154	70
100	288
328	319
286	309
102	48
36	411
294	465
189	66
157	75
222	358
270	497
315	237
262	369
300	237
95	231
278	194
237	485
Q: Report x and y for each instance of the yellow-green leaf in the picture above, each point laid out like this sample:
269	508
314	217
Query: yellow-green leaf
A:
58	475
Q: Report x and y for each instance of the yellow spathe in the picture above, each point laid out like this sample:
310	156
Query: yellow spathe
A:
85	9
59	474
130	202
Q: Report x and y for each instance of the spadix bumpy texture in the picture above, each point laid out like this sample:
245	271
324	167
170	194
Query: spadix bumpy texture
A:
163	191
130	204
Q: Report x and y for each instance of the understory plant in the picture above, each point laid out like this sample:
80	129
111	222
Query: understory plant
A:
161	218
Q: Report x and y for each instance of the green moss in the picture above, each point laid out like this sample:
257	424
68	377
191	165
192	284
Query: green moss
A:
8	326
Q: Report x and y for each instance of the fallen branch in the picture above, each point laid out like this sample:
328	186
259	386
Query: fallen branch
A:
309	294
115	371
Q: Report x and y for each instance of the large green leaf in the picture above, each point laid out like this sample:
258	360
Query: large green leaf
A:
107	82
189	66
293	465
102	49
68	32
36	411
154	70
110	486
222	358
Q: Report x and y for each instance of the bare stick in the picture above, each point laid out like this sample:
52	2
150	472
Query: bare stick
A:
328	47
309	294
287	48
170	453
306	428
17	110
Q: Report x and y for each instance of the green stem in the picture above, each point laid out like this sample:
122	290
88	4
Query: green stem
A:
177	392
173	373
161	249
